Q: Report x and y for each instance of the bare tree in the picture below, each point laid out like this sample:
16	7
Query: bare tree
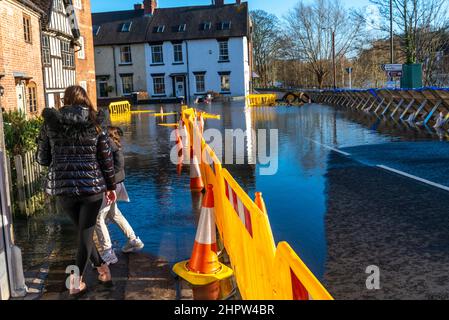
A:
421	25
310	28
266	41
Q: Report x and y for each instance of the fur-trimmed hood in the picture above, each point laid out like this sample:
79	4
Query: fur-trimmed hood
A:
71	118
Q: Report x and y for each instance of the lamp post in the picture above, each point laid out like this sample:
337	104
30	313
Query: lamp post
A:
334	58
334	62
391	34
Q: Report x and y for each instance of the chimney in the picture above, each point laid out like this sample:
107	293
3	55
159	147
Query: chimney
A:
218	2
149	6
238	1
138	6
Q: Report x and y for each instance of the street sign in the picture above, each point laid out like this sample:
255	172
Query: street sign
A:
395	74
392	67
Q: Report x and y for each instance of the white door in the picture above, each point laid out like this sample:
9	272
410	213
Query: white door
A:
179	83
21	97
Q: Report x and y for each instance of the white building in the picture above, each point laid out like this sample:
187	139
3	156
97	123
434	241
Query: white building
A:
173	52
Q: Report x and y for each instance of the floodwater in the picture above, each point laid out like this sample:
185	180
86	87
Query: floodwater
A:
339	211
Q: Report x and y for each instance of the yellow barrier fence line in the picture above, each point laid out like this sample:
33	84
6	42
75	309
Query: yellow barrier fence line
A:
262	272
273	266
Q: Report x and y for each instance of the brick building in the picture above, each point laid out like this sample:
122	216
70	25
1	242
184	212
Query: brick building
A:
45	46
84	60
20	57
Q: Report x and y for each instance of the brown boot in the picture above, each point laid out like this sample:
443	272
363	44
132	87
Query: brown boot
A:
104	274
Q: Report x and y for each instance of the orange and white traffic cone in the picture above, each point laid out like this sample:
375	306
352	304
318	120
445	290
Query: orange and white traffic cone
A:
200	122
208	292
196	182
204	256
203	267
185	141
179	147
260	202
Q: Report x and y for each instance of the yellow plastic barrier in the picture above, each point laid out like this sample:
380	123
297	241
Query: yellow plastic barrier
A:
261	100
119	107
119	118
262	272
293	278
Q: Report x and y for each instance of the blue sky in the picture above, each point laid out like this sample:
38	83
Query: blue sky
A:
280	7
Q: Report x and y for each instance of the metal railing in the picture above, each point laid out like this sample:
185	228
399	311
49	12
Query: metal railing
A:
425	106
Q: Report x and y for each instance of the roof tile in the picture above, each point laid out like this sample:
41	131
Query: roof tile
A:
143	28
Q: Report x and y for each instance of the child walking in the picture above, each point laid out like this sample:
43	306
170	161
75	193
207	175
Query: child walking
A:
112	211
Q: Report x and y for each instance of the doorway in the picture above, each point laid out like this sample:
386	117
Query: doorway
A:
21	97
180	86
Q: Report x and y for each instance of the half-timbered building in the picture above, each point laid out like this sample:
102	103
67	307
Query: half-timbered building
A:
60	35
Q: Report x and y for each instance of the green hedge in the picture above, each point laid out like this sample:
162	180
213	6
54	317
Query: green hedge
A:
20	133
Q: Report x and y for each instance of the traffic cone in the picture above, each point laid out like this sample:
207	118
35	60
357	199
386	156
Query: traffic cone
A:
185	143
196	182
203	267
179	147
208	292
200	122
260	202
204	256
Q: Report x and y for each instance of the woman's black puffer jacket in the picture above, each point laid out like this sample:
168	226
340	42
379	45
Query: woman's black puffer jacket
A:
79	158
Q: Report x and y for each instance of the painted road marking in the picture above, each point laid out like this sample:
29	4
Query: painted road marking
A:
431	183
434	184
331	148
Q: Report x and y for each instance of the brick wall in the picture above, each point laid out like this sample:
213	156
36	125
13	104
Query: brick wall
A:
2	67
85	68
18	56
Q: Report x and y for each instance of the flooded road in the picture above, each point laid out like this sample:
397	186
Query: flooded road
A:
329	199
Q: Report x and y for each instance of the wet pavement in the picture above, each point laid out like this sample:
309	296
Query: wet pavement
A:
341	213
135	277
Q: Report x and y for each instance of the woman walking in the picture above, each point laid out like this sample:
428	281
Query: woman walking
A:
81	169
112	212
